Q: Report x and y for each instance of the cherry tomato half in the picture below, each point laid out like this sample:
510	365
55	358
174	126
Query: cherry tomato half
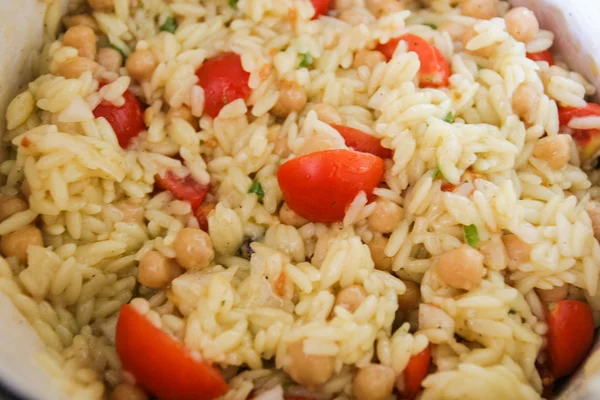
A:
588	140
186	189
321	7
362	141
127	121
409	383
542	56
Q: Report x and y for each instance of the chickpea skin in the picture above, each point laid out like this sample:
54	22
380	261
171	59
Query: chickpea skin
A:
83	39
386	216
522	24
11	205
101	4
193	249
15	244
307	369
368	58
125	391
110	59
377	247
75	67
351	298
288	217
141	64
292	98
555	294
525	101
157	271
480	9
555	150
518	251
410	299
373	382
461	268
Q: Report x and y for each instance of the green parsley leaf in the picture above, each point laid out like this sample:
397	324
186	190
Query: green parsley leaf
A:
121	52
257	189
449	117
169	26
437	172
479	67
232	4
471	235
432	26
306	60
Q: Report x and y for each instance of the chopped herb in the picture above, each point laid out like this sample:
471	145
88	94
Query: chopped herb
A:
222	302
112	46
449	118
511	311
437	172
232	4
471	235
479	67
305	60
169	26
432	26
257	189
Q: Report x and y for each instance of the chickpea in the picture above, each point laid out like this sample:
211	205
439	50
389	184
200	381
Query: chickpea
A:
125	391
131	212
354	17
75	67
193	249
555	150
518	251
101	4
373	382
157	271
469	34
314	144
288	217
411	298
351	298
454	29
10	206
141	64
377	246
370	58
381	8
292	98
593	210
83	39
110	59
327	113
15	244
386	216
525	101
522	24
309	370
480	9
461	268
555	294
82	19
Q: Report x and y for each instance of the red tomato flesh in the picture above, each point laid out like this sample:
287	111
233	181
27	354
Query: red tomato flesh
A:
435	69
319	186
127	121
362	141
566	114
186	189
202	215
542	56
570	336
321	7
160	364
223	80
588	140
416	370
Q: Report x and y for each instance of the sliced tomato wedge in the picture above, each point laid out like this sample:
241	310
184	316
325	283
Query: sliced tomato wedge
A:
362	141
542	56
587	140
570	336
319	186
435	69
186	189
202	215
127	121
160	364
409	383
321	7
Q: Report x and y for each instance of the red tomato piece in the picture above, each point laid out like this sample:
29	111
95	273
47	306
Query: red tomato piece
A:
566	114
570	336
202	215
127	121
435	69
160	364
319	186
321	7
223	80
362	141
542	56
186	189
409	383
588	140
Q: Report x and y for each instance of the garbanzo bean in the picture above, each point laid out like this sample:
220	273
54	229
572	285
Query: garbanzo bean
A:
141	64
327	113
469	34
410	299
461	268
292	98
481	9
307	369
354	17
555	294
11	205
157	271
525	101
15	244
351	297
193	249
82	19
522	24
315	143
131	212
83	39
369	58
125	391
377	247
555	150
288	217
386	216
101	4
75	67
373	382
518	251
110	59
454	29
380	8
184	113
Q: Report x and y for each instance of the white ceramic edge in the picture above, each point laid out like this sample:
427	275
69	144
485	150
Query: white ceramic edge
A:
576	24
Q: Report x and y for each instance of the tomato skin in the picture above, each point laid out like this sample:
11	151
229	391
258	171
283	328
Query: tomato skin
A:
202	215
319	186
186	189
588	140
435	69
566	114
362	141
162	365
416	370
570	336
542	56
321	7
223	80
127	121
